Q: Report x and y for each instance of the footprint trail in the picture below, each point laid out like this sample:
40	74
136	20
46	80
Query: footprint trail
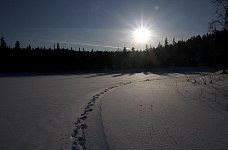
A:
78	135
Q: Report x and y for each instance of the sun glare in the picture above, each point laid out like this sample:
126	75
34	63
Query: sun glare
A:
141	35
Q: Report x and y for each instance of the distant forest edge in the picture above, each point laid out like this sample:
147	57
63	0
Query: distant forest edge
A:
208	50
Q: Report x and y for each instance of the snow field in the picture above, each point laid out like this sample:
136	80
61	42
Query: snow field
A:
114	111
165	113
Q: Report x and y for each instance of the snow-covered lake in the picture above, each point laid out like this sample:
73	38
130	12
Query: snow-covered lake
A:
114	111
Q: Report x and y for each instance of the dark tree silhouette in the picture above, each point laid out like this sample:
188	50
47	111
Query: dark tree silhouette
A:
166	42
124	49
17	45
58	47
208	50
29	47
147	47
3	43
174	42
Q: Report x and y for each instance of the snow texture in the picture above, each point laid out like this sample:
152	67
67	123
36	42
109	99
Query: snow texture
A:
159	110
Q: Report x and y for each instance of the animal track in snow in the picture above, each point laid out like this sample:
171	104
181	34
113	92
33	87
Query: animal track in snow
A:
78	134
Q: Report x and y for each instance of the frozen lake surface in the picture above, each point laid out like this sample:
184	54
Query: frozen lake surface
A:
115	111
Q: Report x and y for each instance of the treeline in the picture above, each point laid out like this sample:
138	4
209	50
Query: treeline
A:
208	50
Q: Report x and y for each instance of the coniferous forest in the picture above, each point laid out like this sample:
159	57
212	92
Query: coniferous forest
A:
208	50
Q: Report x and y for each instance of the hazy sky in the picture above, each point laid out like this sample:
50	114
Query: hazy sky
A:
89	23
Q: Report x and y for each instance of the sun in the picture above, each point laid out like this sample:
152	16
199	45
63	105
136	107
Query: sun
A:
141	34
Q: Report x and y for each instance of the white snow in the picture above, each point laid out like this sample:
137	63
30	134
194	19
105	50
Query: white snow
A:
114	111
38	112
154	115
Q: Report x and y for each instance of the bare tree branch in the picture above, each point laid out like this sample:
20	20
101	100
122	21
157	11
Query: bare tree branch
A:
221	15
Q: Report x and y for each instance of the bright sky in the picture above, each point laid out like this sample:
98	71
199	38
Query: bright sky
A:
101	24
